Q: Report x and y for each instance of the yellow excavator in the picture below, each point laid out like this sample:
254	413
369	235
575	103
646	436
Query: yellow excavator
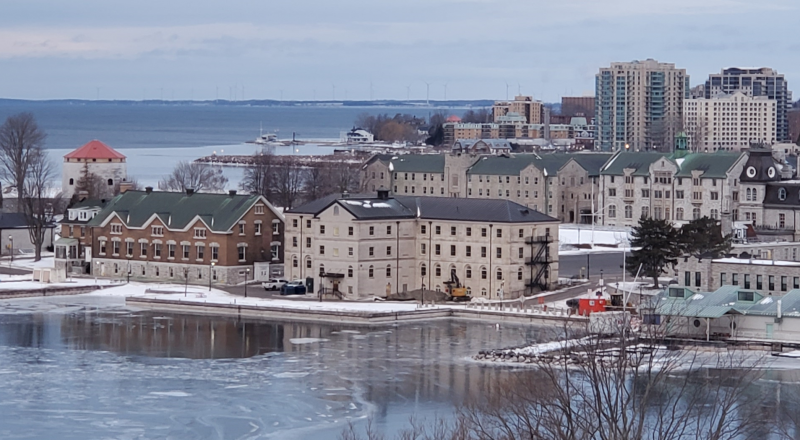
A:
455	290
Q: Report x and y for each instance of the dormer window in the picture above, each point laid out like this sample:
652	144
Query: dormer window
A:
259	209
116	228
746	296
782	194
199	233
157	231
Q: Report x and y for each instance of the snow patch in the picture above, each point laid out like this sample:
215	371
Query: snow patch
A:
299	341
291	374
170	393
767	300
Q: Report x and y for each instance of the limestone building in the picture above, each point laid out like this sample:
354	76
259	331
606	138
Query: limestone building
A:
96	159
361	246
729	122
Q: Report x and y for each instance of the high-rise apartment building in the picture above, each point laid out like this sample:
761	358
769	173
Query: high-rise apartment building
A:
729	122
639	105
524	106
756	82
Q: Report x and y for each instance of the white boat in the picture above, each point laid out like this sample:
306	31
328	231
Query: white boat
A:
267	139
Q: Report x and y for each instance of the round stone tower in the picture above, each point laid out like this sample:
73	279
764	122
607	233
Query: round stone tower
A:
95	165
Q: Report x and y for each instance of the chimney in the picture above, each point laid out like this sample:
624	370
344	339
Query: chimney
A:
148	189
232	192
125	186
383	193
189	191
345	195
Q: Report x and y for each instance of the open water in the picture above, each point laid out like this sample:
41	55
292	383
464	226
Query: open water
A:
156	137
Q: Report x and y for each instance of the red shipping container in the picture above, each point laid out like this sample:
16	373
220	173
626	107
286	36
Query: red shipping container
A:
587	306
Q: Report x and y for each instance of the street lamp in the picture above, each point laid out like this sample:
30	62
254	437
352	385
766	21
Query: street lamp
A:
11	239
210	275
129	267
246	273
186	276
96	270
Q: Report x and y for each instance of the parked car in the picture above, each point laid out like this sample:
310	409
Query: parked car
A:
273	284
296	287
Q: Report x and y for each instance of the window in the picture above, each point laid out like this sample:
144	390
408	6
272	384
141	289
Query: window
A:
200	233
422	229
771	282
483	251
308	242
452	250
422	248
371	272
200	250
388	251
371	251
294	241
483	273
784	281
759	282
735	279
321	229
521	253
350	251
171	250
350	272
499	274
612	211
437	270
747	281
519	274
679	194
678	213
521	233
697	279
796	282
469	232
157	231
389	230
294	222
695	213
185	249
452	230
336	209
646	193
129	248
782	221
437	249
687	278
116	228
350	230
468	272
242	252
469	251
157	250
388	271
241	228
308	263
628	211
438	230
499	233
722	279
483	232
423	270
499	252
612	192
102	247
322	250
142	249
259	209
714	195
372	230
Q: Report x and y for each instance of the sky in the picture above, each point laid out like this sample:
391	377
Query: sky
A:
363	49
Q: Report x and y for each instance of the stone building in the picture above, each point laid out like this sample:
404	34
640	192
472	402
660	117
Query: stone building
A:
540	182
729	122
770	277
361	246
98	159
531	111
176	236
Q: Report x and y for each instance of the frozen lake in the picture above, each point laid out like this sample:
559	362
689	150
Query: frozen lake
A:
87	367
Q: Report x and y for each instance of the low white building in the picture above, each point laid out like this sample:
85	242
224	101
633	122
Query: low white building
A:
97	158
366	246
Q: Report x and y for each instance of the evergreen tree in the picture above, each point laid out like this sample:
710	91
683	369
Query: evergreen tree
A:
703	237
659	246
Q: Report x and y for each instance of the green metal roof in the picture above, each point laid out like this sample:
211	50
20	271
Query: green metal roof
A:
177	209
501	165
713	165
639	161
419	163
591	162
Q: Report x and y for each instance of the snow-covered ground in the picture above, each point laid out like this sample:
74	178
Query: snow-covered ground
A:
603	237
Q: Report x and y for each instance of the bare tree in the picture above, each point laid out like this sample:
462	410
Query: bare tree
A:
289	178
194	175
21	141
259	178
39	201
317	182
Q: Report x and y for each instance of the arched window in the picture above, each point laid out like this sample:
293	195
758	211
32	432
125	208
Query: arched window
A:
483	292
321	269
483	272
782	193
110	182
612	211
519	274
371	271
437	270
294	262
678	213
350	272
389	271
71	181
423	270
308	262
695	213
335	210
499	274
749	194
468	272
628	211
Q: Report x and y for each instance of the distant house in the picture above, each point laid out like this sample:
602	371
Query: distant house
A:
70	249
185	236
357	136
485	146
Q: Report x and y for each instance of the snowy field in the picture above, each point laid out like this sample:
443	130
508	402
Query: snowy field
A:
607	237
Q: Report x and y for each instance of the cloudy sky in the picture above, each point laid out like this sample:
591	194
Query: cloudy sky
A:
357	49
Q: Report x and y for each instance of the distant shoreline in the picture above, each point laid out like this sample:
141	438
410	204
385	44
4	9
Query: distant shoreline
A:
478	103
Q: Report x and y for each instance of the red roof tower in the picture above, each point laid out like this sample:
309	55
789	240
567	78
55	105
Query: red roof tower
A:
95	150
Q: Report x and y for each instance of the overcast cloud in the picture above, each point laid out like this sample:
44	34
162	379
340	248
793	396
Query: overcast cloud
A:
354	49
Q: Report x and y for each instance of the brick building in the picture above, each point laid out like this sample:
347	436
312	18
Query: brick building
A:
177	236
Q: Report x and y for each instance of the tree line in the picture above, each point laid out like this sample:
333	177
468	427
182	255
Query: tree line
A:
409	128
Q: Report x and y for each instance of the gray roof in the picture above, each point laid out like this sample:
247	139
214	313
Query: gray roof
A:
591	162
177	209
419	163
429	208
14	220
514	164
639	161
